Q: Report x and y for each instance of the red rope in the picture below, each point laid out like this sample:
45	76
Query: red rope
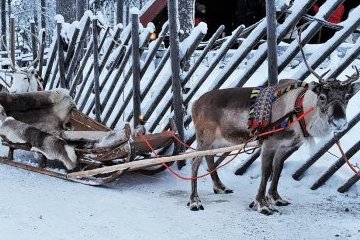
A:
179	140
347	160
226	163
177	174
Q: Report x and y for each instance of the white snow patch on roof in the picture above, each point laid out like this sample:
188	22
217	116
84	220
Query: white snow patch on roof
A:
134	10
59	18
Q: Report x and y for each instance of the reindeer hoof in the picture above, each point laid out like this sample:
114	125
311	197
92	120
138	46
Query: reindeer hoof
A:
262	208
223	191
195	206
266	211
277	202
281	202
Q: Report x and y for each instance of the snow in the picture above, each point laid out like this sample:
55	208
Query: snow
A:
134	10
154	207
39	207
59	18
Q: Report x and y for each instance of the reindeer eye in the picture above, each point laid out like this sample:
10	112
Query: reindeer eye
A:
322	98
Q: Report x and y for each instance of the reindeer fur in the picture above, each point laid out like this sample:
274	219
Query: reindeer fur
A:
221	119
37	118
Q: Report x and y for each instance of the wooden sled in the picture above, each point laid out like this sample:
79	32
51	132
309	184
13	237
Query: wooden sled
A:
130	147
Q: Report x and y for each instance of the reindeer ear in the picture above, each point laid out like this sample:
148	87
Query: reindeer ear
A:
355	87
315	87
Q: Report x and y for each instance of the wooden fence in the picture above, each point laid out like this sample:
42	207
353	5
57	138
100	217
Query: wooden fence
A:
116	75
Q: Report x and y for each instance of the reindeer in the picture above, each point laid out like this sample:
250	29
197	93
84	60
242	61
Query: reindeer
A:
221	119
20	80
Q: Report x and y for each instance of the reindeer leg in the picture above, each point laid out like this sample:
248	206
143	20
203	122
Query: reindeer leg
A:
279	159
218	186
260	204
195	203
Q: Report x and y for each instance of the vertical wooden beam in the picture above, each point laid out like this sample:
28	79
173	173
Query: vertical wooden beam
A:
135	65
61	60
41	50
80	9
43	13
33	39
119	11
3	24
175	66
12	39
96	70
272	42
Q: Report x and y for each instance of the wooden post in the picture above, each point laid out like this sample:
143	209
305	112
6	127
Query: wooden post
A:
272	42
41	50
50	62
119	11
61	60
175	67
96	70
12	39
3	25
350	182
43	13
33	39
82	65
136	65
80	9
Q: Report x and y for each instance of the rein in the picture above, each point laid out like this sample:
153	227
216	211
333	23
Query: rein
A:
346	158
270	132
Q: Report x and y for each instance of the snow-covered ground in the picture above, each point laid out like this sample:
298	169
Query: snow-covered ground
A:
39	207
34	206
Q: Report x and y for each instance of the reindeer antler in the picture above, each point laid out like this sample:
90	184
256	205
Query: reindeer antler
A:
320	77
352	78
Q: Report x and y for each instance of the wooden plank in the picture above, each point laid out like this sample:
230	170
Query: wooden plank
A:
96	70
61	60
135	68
12	40
148	162
152	11
272	42
177	100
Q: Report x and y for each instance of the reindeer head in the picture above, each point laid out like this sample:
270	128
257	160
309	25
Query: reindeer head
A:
332	95
21	80
332	99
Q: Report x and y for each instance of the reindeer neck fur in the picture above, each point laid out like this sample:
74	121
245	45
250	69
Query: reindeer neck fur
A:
315	124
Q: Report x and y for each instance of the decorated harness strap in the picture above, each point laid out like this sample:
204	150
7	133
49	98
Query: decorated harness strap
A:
262	99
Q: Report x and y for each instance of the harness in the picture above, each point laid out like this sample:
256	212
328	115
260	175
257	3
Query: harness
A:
285	120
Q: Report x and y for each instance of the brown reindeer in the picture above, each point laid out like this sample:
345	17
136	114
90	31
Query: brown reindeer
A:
221	119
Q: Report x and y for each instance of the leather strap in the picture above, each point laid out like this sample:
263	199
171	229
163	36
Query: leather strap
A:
299	110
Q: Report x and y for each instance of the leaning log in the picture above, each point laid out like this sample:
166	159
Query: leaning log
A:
150	162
